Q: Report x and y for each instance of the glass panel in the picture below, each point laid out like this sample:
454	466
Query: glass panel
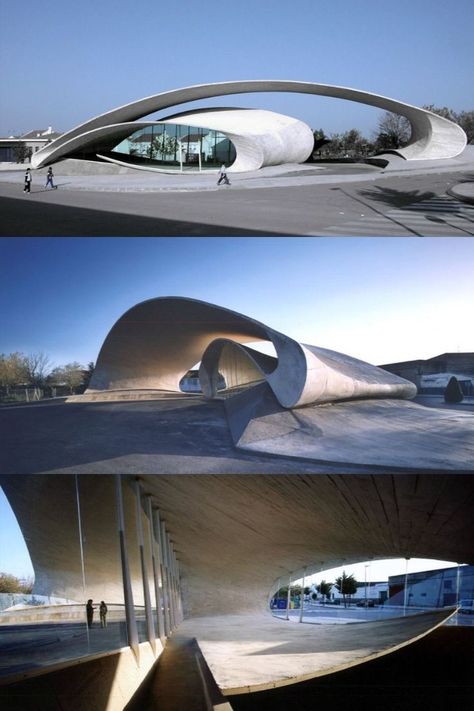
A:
175	147
69	524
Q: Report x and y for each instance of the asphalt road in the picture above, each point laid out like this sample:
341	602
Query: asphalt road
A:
184	436
408	205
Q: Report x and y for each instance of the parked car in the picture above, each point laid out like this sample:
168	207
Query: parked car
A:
366	603
466	607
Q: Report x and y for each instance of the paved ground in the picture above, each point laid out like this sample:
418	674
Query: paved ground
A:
188	435
434	673
247	653
304	200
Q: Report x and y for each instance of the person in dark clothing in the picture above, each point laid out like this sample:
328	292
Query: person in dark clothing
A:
49	178
90	612
27	187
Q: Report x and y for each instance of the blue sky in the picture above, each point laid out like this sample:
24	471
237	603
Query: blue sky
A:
381	300
70	62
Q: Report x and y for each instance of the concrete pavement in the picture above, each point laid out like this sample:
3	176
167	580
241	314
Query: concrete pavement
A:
299	200
248	653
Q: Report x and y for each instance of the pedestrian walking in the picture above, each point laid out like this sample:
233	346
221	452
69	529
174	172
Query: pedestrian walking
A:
223	176
49	178
103	614
27	186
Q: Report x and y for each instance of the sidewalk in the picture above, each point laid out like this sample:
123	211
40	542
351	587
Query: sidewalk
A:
70	175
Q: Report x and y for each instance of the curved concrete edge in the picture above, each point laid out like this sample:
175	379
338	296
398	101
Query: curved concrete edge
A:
463	192
377	433
261	138
155	343
432	136
242	663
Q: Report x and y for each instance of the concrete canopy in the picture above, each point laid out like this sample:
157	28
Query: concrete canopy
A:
156	342
432	137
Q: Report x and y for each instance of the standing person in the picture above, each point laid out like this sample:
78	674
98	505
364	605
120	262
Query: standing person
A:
27	187
49	178
223	176
90	612
103	614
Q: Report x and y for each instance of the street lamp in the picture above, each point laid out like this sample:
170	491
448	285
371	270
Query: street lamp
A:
365	582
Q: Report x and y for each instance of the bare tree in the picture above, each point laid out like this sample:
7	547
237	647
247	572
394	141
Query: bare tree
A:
38	366
394	131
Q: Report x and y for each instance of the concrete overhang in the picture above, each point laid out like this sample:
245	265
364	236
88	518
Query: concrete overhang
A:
432	137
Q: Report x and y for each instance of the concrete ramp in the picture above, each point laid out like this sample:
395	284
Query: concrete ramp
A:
181	681
248	653
378	432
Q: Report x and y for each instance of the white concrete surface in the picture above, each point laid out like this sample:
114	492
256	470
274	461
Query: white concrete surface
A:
248	653
432	137
156	342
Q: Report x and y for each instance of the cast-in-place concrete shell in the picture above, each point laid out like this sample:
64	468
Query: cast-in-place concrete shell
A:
432	137
155	343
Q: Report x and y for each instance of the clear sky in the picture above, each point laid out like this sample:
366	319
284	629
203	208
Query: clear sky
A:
63	64
381	300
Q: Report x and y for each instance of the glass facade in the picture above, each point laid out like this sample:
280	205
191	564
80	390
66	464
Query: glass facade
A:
174	147
103	580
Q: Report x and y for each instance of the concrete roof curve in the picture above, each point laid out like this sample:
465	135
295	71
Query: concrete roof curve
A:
156	342
433	137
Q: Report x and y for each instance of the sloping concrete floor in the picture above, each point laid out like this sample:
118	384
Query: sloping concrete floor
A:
434	673
248	653
384	433
188	435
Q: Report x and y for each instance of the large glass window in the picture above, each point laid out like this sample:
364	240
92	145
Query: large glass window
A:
174	147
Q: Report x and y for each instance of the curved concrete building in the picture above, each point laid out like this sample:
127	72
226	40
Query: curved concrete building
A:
154	344
212	549
263	138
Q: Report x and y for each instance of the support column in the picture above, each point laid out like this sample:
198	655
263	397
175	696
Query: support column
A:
155	560
164	577
288	597
302	596
165	540
131	620
177	587
150	627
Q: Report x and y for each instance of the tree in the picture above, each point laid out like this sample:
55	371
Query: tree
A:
164	144
87	375
37	367
324	589
21	152
453	392
466	120
394	131
13	370
346	585
70	374
12	584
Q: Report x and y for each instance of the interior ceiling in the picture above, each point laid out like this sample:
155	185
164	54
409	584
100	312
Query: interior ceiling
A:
263	526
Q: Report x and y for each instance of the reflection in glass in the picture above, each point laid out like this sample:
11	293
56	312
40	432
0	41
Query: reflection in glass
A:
170	146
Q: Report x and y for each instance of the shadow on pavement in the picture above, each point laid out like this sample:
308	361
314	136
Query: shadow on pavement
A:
434	673
395	198
36	219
